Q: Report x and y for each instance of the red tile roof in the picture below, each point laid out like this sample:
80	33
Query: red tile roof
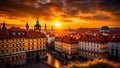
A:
15	32
4	34
69	39
34	34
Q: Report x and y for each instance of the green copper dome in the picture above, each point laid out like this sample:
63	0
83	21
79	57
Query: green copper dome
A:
37	23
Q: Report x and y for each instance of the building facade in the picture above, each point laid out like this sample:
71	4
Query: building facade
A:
20	46
93	47
67	47
114	48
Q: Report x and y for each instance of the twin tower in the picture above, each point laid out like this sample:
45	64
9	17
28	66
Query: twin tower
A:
37	26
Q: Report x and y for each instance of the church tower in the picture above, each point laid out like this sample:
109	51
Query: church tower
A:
45	26
52	27
27	26
4	26
37	26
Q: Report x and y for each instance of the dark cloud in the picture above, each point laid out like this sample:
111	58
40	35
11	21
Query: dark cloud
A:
112	6
11	8
67	8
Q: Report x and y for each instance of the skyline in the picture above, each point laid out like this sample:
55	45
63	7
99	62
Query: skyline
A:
69	13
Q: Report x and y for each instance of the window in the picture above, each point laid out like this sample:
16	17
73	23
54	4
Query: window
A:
28	48
28	44
20	44
32	43
37	47
16	57
6	45
12	50
23	44
20	57
2	51
16	45
12	45
20	49
6	50
2	46
19	33
13	58
16	49
32	48
13	40
112	51
117	53
23	49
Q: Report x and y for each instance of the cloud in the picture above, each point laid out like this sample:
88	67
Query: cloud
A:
111	6
99	10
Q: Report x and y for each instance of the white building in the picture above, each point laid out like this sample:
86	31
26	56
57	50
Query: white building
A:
93	47
114	48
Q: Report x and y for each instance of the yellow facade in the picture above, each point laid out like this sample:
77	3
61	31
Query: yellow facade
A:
14	49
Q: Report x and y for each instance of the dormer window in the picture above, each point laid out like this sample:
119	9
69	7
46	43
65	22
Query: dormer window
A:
14	33
23	33
19	33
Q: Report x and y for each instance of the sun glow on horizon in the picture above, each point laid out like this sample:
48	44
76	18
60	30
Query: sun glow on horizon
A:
58	24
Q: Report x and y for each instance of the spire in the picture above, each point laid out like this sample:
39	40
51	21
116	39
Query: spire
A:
27	25
37	20
37	26
45	26
4	25
37	23
52	27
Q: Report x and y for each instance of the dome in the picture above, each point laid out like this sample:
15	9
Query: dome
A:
37	24
104	29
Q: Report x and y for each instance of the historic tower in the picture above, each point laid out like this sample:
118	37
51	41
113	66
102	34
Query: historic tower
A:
27	26
4	26
45	26
37	26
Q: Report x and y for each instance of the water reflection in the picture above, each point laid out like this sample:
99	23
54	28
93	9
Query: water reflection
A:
53	61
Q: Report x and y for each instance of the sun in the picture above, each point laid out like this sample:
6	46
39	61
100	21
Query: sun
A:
57	24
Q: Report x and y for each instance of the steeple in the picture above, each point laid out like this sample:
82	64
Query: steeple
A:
4	26
69	28
45	26
37	26
27	26
52	27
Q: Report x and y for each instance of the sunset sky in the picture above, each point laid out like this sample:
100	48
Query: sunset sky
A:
69	13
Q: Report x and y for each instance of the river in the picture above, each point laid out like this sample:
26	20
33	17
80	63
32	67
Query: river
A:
53	61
